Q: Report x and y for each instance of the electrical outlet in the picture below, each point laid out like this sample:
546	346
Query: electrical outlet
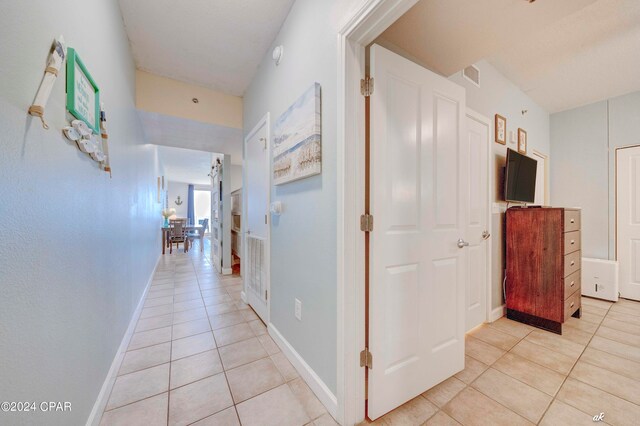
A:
298	310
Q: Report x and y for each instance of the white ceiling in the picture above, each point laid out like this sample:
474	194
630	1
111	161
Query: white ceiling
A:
179	132
185	165
589	56
561	53
211	43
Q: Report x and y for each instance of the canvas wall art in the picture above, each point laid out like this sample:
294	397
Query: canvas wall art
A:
297	144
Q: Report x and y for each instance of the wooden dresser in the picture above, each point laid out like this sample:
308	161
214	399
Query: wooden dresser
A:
543	266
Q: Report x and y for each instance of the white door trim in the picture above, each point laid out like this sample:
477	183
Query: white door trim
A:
264	121
545	157
486	121
359	30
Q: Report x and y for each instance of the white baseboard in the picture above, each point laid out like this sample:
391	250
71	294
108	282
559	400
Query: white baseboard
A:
243	296
227	271
105	391
316	384
497	313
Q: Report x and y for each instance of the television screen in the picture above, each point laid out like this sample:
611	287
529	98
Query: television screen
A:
520	178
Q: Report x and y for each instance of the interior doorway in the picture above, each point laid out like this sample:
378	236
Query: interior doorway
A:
542	179
478	292
255	223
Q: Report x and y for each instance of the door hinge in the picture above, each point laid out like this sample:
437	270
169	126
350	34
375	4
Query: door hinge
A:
366	86
366	223
366	359
266	295
265	219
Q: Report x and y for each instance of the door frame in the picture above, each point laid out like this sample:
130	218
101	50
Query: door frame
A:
545	157
476	116
359	30
266	122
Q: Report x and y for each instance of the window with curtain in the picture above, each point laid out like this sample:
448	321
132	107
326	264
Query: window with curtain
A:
202	206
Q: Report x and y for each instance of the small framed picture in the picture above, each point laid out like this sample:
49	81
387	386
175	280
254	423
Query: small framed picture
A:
522	141
501	129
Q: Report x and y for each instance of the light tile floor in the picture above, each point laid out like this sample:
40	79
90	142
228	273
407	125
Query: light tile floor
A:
520	375
200	356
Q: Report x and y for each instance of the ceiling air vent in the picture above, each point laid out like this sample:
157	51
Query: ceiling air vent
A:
472	73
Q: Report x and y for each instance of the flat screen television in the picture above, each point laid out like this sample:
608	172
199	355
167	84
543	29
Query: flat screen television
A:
520	178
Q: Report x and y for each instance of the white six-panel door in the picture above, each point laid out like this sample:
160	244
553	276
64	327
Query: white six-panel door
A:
419	199
628	220
478	136
255	263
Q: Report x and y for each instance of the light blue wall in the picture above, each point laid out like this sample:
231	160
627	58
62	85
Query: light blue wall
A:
77	248
498	95
303	238
583	146
579	171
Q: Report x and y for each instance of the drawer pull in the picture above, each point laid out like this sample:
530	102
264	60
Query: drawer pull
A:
573	242
572	221
572	283
573	262
572	303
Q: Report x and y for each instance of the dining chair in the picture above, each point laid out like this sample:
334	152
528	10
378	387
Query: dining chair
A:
177	234
199	234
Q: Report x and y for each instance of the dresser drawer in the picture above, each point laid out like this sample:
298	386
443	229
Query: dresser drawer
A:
571	263
571	284
571	242
571	304
571	220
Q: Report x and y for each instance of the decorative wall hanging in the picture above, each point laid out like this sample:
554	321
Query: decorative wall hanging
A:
178	201
87	142
89	130
83	94
297	144
54	63
522	141
106	163
500	129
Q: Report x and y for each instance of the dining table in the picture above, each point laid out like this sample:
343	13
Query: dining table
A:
188	228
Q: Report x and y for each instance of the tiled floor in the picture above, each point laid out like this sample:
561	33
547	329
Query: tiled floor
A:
519	375
199	355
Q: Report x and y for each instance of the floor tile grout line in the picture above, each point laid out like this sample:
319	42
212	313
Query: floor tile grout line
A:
489	366
554	397
572	368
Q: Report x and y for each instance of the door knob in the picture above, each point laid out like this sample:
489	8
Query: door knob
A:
462	243
485	235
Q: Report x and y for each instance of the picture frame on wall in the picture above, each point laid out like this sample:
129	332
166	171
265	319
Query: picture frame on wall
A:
297	141
83	94
500	129
522	141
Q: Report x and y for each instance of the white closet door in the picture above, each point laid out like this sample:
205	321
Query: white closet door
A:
628	220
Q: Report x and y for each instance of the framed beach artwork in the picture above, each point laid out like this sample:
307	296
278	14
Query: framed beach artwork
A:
297	143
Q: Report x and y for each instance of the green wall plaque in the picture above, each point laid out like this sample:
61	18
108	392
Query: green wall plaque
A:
83	94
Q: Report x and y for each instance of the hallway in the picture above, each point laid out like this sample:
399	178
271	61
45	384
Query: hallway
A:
199	355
